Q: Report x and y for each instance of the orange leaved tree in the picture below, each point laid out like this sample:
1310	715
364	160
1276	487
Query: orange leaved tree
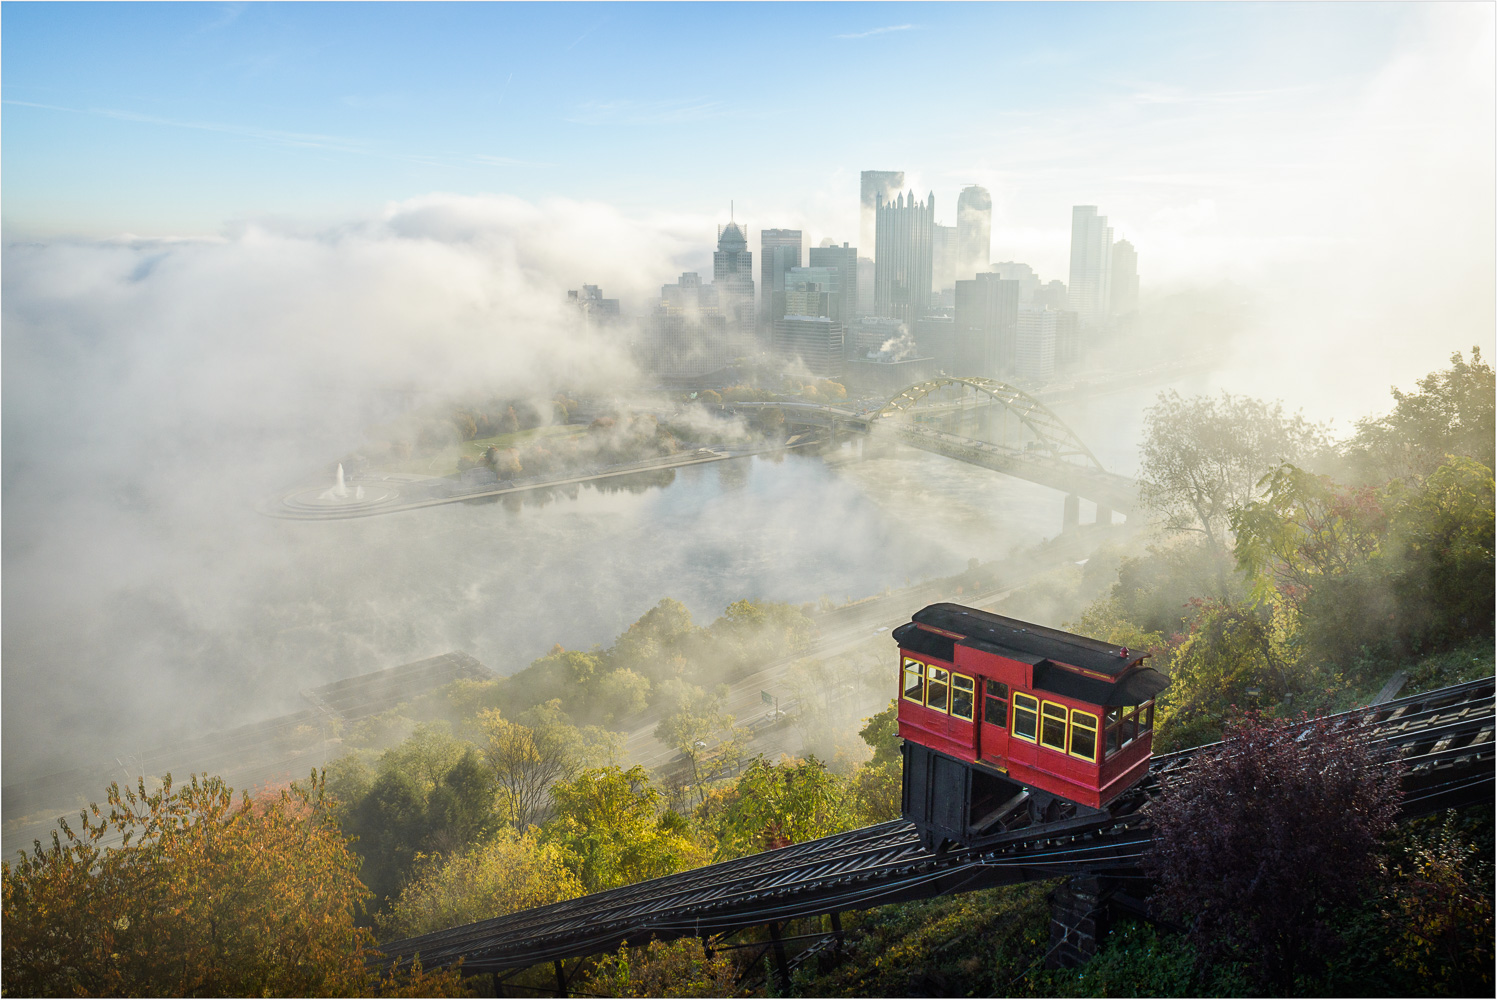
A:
183	892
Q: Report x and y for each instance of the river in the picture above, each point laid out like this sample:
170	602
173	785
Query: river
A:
177	629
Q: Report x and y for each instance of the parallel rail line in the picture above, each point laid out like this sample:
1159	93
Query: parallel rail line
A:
1443	739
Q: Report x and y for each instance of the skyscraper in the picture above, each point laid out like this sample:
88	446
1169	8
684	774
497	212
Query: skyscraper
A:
844	260
943	258
903	241
1091	265
779	251
733	274
877	184
813	291
865	286
1034	349
1124	278
974	230
815	340
987	318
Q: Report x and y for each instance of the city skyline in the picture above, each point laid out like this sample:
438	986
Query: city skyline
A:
1279	150
284	113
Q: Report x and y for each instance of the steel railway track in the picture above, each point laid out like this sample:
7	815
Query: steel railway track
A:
1444	740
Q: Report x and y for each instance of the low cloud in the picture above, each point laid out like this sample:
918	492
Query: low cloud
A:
155	390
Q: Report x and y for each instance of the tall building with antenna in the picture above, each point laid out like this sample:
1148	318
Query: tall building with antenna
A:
733	273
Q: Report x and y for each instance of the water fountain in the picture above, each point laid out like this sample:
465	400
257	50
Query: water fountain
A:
339	500
339	490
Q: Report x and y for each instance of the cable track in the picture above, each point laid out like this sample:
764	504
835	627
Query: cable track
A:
1443	739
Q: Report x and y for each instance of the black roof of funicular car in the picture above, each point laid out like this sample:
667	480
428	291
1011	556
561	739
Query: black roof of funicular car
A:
1064	663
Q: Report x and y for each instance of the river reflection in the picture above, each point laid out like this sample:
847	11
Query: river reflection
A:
222	627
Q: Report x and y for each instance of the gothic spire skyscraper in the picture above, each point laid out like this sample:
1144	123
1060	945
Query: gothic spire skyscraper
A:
902	257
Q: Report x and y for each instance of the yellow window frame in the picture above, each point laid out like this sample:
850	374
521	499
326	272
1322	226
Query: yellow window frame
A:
1064	731
1079	721
1033	708
968	685
945	681
916	667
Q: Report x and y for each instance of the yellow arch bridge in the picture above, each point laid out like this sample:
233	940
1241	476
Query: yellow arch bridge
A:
1033	443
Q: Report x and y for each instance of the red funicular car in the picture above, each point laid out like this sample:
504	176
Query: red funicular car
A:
1008	724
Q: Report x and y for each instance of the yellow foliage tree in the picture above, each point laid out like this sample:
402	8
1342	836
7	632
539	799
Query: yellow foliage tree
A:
512	872
202	897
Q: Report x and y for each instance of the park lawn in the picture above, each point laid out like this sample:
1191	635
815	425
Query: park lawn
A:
444	462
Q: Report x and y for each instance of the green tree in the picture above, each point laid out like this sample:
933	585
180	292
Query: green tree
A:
202	897
660	635
1202	457
622	693
430	793
1303	529
877	784
1451	414
1228	650
1444	536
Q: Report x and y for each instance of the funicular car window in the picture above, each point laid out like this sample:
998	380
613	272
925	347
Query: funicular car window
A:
962	688
1145	717
936	689
1083	735
1026	716
1053	727
914	681
1113	721
995	706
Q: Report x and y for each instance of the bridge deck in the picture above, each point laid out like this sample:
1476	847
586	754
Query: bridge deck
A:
1444	739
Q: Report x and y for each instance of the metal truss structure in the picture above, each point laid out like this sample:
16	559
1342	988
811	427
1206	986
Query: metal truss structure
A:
1443	740
1051	433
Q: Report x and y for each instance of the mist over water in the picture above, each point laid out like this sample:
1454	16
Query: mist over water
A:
214	632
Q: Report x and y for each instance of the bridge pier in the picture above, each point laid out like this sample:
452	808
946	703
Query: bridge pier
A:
1078	919
1104	514
1072	516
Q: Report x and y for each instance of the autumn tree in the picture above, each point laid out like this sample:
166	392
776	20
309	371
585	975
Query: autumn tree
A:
526	762
612	827
1258	843
510	872
774	805
203	896
702	734
679	968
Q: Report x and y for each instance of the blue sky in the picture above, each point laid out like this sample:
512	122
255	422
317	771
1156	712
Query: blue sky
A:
169	118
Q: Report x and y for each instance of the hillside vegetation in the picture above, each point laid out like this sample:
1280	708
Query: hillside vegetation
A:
1291	573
